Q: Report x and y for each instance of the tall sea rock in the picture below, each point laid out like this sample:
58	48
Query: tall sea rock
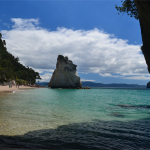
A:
65	75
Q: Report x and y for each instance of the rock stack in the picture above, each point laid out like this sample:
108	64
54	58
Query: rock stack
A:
65	75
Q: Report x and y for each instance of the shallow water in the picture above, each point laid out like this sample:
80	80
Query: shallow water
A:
71	118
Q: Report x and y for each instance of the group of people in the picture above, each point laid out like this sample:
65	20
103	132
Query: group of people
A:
10	86
17	86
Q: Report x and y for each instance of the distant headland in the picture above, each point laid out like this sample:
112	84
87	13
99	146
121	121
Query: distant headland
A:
113	85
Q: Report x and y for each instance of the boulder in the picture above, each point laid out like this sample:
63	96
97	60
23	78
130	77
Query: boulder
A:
87	87
65	75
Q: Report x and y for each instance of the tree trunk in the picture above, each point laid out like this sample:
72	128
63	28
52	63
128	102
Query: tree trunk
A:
143	7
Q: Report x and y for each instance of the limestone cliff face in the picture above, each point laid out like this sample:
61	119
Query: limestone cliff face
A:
65	75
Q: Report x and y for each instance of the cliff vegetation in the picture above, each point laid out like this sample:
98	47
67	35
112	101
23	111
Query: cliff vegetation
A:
12	69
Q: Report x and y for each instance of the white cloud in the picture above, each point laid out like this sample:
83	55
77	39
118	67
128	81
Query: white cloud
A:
93	51
44	70
6	24
105	74
87	80
140	77
46	77
22	24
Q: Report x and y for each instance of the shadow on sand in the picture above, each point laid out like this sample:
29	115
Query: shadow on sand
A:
87	135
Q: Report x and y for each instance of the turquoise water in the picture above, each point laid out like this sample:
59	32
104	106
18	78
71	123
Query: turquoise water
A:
84	118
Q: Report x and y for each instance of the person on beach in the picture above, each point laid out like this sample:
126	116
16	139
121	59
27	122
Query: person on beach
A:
9	85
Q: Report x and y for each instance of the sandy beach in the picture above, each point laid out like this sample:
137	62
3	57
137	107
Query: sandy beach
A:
7	89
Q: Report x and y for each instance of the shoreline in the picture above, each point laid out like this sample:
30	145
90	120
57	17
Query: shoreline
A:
6	89
3	145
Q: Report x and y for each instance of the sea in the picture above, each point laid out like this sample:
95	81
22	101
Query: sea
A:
97	118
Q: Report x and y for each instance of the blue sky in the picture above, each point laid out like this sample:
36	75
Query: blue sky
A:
104	45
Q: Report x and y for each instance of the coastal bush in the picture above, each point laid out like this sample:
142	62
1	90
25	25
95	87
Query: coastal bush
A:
66	57
129	7
11	68
60	56
20	81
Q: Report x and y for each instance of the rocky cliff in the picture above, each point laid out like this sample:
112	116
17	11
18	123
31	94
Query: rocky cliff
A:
143	7
65	75
148	85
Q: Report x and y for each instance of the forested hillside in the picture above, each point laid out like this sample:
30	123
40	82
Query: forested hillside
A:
11	69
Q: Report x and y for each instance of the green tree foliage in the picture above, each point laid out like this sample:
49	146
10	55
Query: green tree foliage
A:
129	7
20	82
10	68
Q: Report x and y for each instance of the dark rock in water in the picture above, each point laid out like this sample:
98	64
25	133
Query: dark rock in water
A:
65	75
144	106
98	134
126	106
116	114
36	85
87	87
134	106
148	85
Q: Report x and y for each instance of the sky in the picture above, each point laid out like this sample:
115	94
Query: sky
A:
105	46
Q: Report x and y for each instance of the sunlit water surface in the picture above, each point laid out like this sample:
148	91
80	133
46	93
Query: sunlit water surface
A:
71	118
